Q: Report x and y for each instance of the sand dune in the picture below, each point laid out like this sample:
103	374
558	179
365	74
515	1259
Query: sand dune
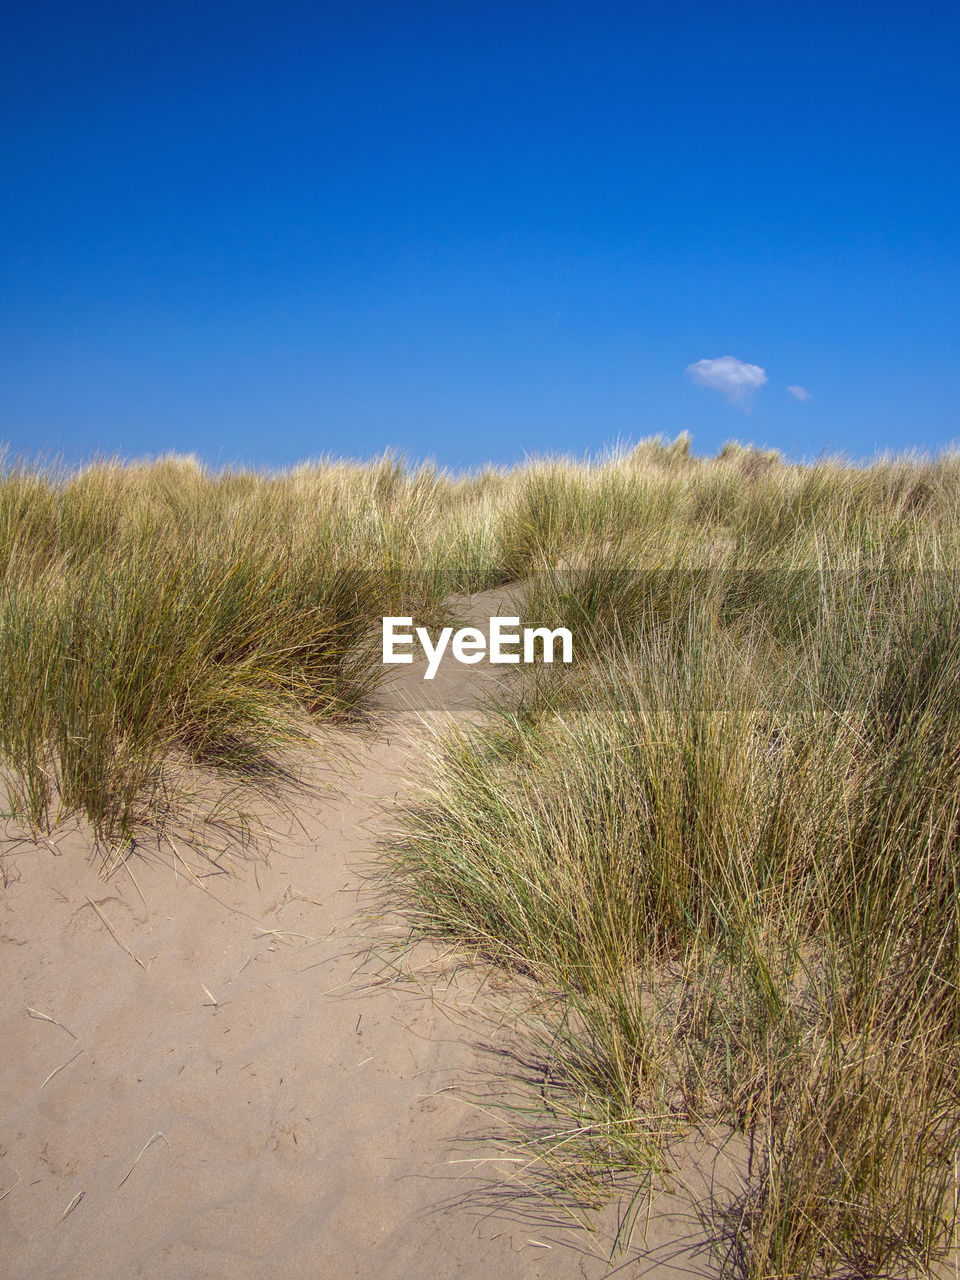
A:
228	1095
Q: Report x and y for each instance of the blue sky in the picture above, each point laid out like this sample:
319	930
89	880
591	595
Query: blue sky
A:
265	232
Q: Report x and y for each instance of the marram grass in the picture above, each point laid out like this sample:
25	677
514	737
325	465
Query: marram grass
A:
733	847
727	841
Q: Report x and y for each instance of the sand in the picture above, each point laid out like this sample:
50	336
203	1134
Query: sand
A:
225	1093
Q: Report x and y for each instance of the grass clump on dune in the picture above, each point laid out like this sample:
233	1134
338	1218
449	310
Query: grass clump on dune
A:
729	843
153	615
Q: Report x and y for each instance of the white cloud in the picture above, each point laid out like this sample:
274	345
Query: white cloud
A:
799	393
735	380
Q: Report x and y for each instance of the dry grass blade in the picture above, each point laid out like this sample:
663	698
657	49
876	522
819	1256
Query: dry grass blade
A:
116	937
149	1142
57	1070
45	1017
13	1188
71	1206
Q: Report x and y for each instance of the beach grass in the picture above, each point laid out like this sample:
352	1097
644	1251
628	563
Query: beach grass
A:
725	842
159	613
728	843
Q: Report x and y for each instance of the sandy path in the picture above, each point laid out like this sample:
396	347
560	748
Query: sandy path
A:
309	1123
